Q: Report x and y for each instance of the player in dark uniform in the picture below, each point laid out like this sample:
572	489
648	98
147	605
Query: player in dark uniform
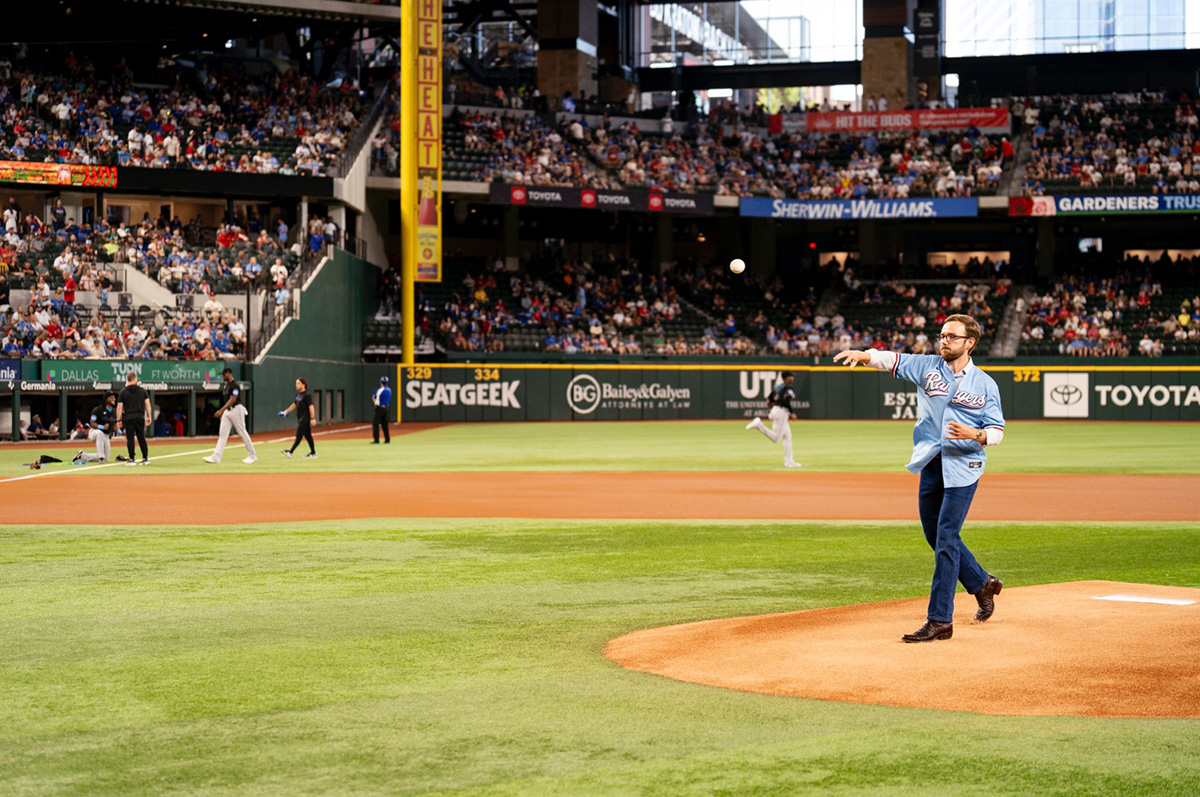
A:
306	416
382	399
133	414
780	405
103	419
233	418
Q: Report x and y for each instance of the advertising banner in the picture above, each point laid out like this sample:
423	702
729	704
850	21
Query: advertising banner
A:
1103	205
10	370
147	371
589	393
57	174
591	199
986	119
856	209
450	393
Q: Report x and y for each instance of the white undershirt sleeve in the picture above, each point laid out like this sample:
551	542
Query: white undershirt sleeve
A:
882	360
994	436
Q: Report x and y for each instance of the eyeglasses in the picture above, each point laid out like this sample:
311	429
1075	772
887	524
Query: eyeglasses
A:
950	338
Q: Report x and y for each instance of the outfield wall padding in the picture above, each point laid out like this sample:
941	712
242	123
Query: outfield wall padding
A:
324	345
619	392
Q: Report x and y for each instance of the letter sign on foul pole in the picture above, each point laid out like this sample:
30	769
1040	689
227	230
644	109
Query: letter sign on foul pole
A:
429	140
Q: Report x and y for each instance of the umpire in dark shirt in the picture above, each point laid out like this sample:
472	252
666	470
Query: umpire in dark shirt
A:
306	416
133	413
382	399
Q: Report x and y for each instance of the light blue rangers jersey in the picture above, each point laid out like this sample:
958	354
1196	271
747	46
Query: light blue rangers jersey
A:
971	398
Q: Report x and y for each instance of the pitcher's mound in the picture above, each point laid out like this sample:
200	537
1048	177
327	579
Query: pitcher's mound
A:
1086	648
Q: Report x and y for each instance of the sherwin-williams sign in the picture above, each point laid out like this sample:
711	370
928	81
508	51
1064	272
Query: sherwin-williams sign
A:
1103	205
146	370
858	209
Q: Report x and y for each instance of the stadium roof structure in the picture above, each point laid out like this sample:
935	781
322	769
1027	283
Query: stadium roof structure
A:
185	24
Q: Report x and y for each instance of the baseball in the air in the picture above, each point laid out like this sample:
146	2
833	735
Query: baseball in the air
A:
737	265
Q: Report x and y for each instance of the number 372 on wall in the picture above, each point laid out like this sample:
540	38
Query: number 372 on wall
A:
1027	375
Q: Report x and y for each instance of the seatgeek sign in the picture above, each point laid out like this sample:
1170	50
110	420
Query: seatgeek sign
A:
1103	205
858	209
596	199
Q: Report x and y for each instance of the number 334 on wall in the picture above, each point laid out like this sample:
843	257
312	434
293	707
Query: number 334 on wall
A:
1027	375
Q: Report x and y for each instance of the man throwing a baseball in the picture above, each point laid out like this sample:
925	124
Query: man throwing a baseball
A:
779	405
958	416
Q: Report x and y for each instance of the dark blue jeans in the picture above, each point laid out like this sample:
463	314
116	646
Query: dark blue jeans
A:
943	510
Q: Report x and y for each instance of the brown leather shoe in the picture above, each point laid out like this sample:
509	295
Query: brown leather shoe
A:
986	598
930	631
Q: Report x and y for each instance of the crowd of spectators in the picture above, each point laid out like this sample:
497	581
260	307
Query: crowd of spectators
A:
881	314
68	270
1147	142
523	149
562	305
209	118
1119	316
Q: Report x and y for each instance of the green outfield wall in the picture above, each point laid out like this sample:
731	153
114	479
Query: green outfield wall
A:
620	392
324	345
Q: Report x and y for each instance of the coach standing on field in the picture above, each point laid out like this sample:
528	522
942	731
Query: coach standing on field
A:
382	401
958	415
233	416
133	413
306	416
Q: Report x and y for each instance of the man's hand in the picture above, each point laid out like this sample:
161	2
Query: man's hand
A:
852	358
218	413
960	431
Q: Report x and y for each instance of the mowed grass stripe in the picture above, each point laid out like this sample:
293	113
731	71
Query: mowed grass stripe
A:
822	446
434	656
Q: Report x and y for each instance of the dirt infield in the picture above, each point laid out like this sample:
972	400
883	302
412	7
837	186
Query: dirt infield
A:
248	497
1048	650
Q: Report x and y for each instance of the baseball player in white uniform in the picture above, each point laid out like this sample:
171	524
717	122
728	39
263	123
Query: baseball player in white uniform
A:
780	412
958	416
233	416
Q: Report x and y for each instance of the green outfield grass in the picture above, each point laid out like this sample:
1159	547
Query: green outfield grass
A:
437	656
1040	447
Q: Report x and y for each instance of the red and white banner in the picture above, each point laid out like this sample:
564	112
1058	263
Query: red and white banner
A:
1031	206
986	119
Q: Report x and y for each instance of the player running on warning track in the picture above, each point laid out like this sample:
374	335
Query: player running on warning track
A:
958	415
779	406
306	416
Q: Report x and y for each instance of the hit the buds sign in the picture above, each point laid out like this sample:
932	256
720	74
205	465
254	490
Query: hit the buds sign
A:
598	199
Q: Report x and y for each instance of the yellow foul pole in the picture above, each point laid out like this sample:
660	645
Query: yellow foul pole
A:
408	176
